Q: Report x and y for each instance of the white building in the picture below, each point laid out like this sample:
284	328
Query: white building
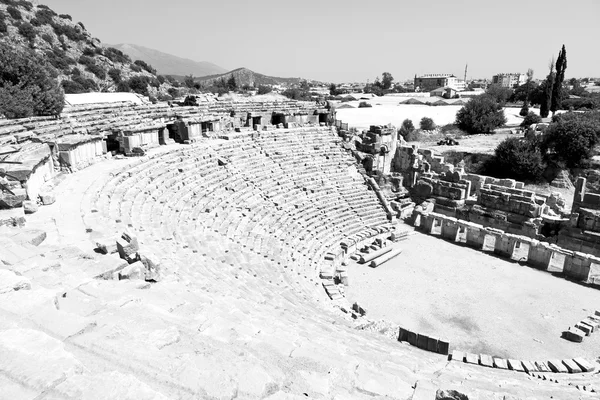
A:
509	80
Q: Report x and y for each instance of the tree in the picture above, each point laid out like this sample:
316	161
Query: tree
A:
189	81
499	93
426	124
26	84
231	83
561	66
406	128
264	89
386	80
517	158
531	118
547	99
334	91
524	110
571	138
482	114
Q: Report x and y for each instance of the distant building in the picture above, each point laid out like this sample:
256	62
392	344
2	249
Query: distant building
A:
429	82
509	80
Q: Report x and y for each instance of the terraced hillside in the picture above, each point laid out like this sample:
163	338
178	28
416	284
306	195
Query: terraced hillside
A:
237	231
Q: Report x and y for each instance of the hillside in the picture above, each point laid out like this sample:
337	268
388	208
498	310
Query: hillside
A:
244	76
70	54
168	64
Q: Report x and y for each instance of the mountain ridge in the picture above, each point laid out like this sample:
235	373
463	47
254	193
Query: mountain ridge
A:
169	64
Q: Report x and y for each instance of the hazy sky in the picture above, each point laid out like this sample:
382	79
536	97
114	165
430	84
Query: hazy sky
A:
355	40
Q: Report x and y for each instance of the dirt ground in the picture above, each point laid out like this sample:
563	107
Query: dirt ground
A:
481	303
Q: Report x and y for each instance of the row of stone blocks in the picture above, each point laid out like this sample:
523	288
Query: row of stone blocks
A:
571	366
583	328
424	342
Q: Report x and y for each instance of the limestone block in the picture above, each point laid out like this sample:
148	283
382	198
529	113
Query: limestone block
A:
133	271
30	207
14	200
152	265
412	338
106	246
47	198
572	366
458	356
443	347
422	341
557	366
9	281
432	344
584	364
500	363
402	335
584	328
529	367
574	335
472	358
486	360
542	366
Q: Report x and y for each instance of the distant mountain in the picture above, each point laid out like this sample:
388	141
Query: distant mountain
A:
168	64
244	76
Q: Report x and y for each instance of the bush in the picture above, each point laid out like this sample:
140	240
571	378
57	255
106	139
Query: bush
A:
427	124
96	70
264	89
71	87
173	92
26	84
59	59
123	86
81	25
570	140
89	52
116	55
3	26
139	84
45	16
14	13
145	66
136	68
406	128
524	110
517	158
482	114
164	97
364	104
27	31
161	79
47	38
69	31
190	101
115	75
531	118
66	16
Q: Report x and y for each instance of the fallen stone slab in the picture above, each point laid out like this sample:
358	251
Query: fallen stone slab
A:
486	360
500	363
515	365
557	366
584	364
133	271
30	207
574	335
572	366
106	267
9	281
458	356
47	198
23	236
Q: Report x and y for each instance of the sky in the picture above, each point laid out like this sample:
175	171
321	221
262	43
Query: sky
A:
355	40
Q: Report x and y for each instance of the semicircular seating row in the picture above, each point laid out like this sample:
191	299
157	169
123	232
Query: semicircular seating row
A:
290	196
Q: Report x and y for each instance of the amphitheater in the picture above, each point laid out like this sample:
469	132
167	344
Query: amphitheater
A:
209	263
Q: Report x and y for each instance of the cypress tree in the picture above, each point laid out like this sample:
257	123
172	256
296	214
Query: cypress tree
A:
561	66
548	85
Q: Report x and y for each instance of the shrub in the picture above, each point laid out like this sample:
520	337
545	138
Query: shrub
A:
136	68
406	128
115	75
88	84
123	86
164	97
190	101
570	140
517	158
14	13
47	38
364	104
173	92
145	66
3	26
524	110
86	60
139	84
66	16
482	114
264	89
116	55
59	59
69	31
161	79
26	84
81	25
427	124
27	31
45	16
71	87
96	70
531	118
89	52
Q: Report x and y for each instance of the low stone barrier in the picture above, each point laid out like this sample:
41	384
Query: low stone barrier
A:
549	257
424	342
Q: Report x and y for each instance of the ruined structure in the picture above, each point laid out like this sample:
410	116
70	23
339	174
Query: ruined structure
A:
207	264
